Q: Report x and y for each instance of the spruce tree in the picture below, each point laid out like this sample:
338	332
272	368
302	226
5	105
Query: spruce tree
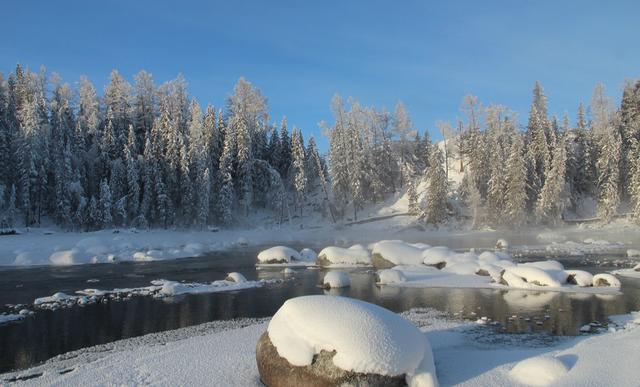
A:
435	210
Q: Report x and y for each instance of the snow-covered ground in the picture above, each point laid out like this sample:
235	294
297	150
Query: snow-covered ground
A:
42	246
466	354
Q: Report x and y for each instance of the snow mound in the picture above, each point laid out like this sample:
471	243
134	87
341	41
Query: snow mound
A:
278	254
354	255
288	271
308	255
236	277
436	255
56	297
6	318
545	265
399	252
539	371
174	288
579	277
633	253
66	257
528	276
604	279
502	244
390	276
336	279
365	337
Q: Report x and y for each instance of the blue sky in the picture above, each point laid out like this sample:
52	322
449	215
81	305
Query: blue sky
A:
428	54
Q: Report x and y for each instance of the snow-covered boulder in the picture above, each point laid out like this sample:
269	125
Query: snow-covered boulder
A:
604	280
288	271
502	244
538	371
336	279
66	257
308	255
331	341
333	255
522	276
388	254
633	253
235	277
390	276
579	277
278	254
436	256
462	268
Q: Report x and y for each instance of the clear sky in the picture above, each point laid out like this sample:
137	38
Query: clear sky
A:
428	54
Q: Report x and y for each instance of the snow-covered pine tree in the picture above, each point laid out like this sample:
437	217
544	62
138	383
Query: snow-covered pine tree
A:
338	155
412	195
553	197
10	211
608	166
133	175
634	178
144	106
244	159
104	218
226	195
404	131
285	151
204	189
515	210
435	210
299	163
93	214
604	123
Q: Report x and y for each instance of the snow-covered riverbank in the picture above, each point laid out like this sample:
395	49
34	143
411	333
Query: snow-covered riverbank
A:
223	353
54	247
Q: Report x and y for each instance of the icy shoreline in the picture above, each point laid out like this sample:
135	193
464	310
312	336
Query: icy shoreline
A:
224	352
41	246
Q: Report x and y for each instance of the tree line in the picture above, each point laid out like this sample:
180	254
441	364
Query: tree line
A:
512	176
143	155
147	155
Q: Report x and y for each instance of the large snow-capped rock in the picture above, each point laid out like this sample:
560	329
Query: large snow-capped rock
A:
322	340
278	254
353	256
387	254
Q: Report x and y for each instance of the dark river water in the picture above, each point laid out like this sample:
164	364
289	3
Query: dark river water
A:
49	333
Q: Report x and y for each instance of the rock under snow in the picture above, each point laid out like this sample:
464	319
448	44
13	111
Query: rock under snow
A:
278	254
336	279
333	255
436	256
390	276
633	253
235	277
539	371
502	244
387	254
522	276
579	277
604	279
321	340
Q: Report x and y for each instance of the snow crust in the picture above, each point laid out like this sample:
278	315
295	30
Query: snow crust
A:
539	371
336	279
6	318
354	255
366	337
